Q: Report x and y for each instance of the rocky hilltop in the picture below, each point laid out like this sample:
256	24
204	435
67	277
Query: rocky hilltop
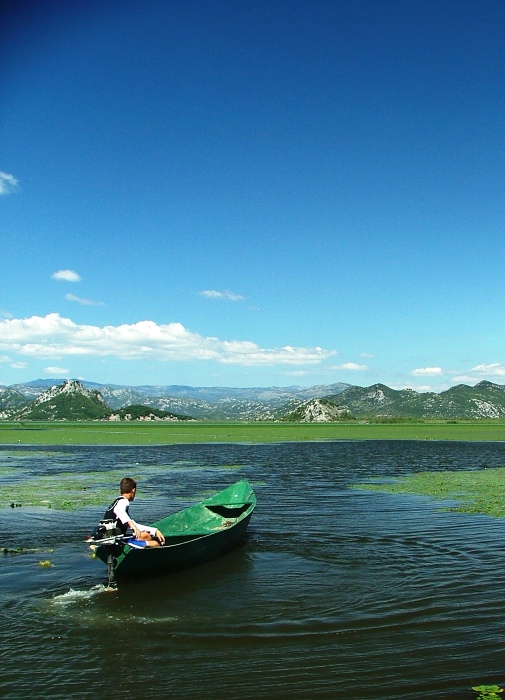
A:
318	411
68	401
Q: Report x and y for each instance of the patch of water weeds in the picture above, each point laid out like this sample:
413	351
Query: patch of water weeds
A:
8	471
62	491
24	550
28	454
65	490
479	492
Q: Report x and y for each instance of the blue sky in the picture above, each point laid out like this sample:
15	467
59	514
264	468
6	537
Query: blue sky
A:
253	193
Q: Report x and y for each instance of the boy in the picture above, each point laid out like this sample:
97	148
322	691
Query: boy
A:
119	511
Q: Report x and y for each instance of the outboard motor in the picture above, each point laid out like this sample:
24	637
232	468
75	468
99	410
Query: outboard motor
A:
106	528
110	537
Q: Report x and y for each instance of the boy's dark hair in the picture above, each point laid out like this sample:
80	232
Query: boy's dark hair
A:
127	485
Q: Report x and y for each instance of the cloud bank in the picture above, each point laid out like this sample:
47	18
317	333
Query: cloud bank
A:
55	337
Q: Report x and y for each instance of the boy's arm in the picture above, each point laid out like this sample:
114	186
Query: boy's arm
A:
153	531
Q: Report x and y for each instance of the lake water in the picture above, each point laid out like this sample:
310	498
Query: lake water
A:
335	593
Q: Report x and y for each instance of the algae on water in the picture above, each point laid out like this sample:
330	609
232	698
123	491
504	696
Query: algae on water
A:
477	492
67	490
62	491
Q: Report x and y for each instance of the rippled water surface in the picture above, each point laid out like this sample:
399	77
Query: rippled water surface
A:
335	593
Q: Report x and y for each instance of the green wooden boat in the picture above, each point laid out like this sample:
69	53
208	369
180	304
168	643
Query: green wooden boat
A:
192	536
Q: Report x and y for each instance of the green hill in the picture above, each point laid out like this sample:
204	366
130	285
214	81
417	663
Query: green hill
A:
141	412
485	400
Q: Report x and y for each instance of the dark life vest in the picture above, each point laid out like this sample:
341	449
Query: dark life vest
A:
110	515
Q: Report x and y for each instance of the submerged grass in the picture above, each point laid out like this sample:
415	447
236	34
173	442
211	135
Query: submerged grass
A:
67	490
63	491
158	433
477	492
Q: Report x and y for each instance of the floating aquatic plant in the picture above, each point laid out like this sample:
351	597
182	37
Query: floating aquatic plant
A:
24	550
71	490
62	491
477	492
487	692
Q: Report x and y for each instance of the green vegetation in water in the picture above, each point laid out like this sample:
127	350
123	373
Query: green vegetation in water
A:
477	492
63	491
7	471
161	433
19	455
71	491
24	550
487	692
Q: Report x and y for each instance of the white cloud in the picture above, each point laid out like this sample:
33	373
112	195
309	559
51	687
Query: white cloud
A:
229	296
19	365
491	371
495	369
85	302
5	314
464	379
352	366
8	183
53	336
56	371
367	355
66	276
427	372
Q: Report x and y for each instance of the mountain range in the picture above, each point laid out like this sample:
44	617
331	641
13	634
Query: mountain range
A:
46	399
202	403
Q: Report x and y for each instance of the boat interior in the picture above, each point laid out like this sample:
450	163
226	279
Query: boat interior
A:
231	511
221	518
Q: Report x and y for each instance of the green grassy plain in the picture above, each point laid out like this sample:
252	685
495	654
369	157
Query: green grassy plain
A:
161	433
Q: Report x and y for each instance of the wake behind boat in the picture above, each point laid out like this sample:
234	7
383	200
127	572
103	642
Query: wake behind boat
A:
192	536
